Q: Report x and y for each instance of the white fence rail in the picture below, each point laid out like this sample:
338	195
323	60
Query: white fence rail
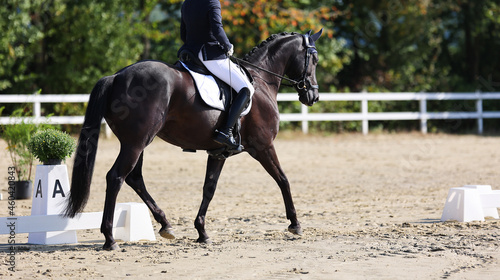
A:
423	115
305	116
38	99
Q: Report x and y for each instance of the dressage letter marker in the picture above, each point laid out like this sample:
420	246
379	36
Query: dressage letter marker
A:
58	189
46	226
131	220
49	199
39	189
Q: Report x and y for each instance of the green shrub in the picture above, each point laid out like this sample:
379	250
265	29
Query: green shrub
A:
51	144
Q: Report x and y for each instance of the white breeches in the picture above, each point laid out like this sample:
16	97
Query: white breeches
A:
228	72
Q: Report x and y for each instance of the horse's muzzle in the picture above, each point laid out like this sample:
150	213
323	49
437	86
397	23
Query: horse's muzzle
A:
309	97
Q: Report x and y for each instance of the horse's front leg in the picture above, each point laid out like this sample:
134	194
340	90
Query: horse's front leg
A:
214	168
269	160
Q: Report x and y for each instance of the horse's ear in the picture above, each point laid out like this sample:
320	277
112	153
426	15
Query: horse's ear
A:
317	35
309	33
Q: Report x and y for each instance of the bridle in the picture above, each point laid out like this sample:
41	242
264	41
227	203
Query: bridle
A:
310	50
301	84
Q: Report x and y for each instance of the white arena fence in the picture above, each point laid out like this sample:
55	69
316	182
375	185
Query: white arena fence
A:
305	116
38	99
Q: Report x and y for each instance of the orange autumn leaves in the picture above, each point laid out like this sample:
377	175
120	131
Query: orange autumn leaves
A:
259	19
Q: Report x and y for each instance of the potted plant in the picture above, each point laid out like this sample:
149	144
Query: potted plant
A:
17	136
51	146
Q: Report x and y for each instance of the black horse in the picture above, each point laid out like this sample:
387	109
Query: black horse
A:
152	98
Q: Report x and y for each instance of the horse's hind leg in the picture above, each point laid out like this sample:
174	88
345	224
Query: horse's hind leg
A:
136	181
124	164
214	168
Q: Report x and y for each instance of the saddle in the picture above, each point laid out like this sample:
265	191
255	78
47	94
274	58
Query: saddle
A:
192	63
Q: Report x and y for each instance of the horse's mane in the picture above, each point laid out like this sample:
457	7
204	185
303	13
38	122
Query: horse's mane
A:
266	42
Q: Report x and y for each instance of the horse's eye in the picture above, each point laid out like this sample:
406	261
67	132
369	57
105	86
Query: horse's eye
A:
315	58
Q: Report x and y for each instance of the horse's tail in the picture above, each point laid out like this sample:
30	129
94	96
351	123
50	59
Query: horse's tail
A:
87	147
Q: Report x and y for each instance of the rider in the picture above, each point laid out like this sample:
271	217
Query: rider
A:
203	34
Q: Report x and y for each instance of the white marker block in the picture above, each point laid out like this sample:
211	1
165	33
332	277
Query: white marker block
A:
489	200
138	224
471	203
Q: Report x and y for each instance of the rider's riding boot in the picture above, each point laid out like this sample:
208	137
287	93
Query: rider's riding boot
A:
224	135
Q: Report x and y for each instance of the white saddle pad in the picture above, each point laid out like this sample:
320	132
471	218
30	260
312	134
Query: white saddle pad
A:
209	90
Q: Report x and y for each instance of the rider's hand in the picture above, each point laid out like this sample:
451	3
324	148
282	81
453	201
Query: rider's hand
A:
231	51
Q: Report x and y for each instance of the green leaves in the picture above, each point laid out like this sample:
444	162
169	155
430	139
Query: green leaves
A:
65	46
51	144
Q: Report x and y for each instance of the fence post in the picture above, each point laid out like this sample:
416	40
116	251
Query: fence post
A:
423	113
364	112
479	109
37	107
305	123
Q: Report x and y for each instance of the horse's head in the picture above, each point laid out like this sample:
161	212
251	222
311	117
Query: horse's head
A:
305	75
293	55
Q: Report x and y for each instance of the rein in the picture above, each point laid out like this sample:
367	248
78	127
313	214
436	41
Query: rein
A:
300	85
267	71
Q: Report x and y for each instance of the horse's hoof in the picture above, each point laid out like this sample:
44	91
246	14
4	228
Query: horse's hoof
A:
167	233
204	241
295	230
111	247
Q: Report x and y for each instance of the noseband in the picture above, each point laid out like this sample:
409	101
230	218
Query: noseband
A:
301	84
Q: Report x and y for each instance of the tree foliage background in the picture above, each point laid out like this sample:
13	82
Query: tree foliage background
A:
63	46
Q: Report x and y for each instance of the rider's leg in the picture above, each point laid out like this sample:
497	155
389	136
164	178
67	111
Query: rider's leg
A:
224	135
228	72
